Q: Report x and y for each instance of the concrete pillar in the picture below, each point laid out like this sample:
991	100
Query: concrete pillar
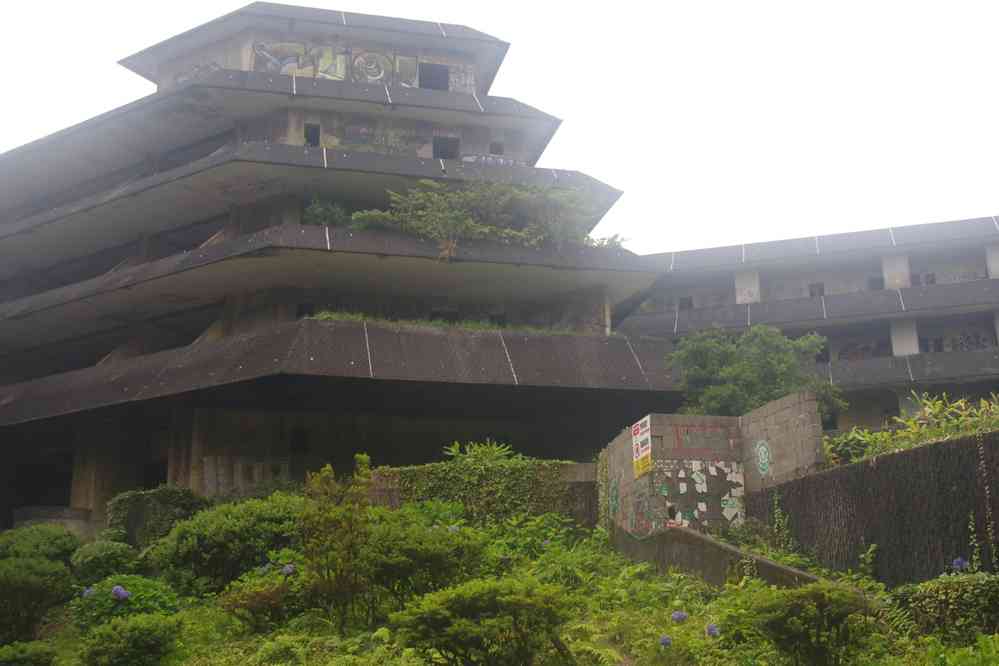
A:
747	287
992	260
895	269
904	337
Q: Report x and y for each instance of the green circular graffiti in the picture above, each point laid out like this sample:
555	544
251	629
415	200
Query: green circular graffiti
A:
763	456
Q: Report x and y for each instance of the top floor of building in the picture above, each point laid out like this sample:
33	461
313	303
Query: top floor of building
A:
329	45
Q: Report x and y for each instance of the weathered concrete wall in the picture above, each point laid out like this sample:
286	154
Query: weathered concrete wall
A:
781	440
700	467
965	333
949	267
694	553
325	57
843	280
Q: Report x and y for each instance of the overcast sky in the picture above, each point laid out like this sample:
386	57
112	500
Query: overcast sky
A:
723	121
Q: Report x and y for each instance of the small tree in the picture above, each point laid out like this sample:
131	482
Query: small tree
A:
728	374
335	533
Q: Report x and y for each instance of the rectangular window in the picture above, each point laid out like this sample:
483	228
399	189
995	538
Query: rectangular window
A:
875	283
816	290
496	148
312	135
446	147
434	77
685	303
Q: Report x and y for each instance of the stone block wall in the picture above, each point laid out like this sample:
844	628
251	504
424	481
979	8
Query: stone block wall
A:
782	440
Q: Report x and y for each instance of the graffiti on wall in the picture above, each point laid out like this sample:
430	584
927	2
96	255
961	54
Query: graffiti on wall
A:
361	65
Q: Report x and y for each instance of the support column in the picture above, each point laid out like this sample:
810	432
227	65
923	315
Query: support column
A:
992	260
895	270
904	337
747	287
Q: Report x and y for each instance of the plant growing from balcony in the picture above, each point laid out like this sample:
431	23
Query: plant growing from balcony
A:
729	374
515	215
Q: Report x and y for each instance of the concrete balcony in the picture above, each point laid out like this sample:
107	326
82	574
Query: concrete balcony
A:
834	309
939	367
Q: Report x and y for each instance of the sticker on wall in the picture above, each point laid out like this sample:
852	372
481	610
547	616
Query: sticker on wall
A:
641	446
762	450
300	59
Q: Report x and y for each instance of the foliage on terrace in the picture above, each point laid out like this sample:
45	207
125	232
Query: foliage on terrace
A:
511	214
935	419
729	374
463	324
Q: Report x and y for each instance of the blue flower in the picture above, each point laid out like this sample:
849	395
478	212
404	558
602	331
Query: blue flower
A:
665	641
546	543
679	616
120	593
712	630
960	564
87	592
288	569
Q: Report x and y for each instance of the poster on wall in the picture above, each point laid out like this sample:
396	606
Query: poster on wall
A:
641	446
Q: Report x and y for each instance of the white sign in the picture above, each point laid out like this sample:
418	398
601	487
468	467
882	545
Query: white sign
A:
641	446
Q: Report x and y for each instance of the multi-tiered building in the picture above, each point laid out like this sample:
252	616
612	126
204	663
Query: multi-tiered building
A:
157	283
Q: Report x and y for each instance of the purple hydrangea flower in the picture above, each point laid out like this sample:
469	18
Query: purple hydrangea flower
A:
288	569
679	616
960	564
87	592
120	593
546	543
712	630
665	641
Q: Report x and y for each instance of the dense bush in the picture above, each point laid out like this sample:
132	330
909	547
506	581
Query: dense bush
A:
499	621
146	515
268	595
937	418
28	588
97	560
27	654
46	540
818	624
214	547
488	479
122	595
139	640
955	606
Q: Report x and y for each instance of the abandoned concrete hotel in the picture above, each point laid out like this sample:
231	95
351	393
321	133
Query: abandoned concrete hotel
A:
158	284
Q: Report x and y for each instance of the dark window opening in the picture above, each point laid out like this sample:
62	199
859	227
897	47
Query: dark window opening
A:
930	345
889	415
450	316
154	474
446	147
496	148
685	303
816	290
299	444
434	77
875	283
930	278
312	135
305	310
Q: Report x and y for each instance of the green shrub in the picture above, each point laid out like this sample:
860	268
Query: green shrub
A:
34	653
99	559
46	540
280	651
268	595
139	640
818	624
101	602
28	588
144	516
497	621
215	547
957	607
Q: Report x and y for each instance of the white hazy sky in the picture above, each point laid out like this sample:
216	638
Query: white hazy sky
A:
724	121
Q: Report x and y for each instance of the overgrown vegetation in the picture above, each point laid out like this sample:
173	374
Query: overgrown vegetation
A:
326	578
933	419
464	324
728	374
447	215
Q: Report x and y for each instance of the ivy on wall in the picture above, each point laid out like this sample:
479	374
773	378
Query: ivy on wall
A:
488	479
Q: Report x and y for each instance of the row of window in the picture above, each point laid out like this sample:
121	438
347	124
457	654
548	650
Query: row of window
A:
445	147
